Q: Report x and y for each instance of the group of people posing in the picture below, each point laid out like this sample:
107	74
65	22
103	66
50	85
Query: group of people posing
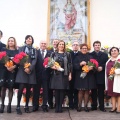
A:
61	82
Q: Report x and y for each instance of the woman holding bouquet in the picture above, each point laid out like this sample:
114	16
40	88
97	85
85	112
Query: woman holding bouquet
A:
86	83
112	83
26	76
60	79
9	73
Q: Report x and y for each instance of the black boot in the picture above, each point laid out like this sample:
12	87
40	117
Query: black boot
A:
60	109
57	108
26	109
2	109
18	111
86	109
45	108
9	108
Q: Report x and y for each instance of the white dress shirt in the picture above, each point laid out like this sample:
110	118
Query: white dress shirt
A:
45	52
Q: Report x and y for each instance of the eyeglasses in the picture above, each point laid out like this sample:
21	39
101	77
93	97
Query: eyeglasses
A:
84	48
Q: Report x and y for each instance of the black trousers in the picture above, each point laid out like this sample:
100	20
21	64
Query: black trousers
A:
98	93
72	95
36	93
50	96
45	85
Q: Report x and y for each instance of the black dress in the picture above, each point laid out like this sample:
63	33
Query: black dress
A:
58	79
7	77
88	82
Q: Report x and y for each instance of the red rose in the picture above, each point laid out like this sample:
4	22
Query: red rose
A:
94	62
17	61
0	56
46	59
45	63
22	53
3	54
16	56
19	56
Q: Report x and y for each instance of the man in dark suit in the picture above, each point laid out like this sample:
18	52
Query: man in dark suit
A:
37	87
73	93
1	44
42	76
50	91
102	58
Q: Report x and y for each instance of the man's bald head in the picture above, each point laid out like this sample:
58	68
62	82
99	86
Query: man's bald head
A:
43	44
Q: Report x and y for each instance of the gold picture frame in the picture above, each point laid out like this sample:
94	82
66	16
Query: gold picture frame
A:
51	20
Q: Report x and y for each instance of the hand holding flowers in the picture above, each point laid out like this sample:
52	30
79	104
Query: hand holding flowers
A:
88	66
114	70
5	60
22	59
50	62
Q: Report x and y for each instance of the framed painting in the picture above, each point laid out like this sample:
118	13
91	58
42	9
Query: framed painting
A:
69	20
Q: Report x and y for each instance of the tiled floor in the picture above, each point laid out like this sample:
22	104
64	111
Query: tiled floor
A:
66	115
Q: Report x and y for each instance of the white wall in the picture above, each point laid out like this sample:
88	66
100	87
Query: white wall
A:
105	21
21	17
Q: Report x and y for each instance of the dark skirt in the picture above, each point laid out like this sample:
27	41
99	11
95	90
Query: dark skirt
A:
86	83
59	81
8	79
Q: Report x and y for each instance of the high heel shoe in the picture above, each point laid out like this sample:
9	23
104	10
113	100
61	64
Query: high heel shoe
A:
18	111
79	109
26	109
2	109
9	108
118	112
86	109
113	110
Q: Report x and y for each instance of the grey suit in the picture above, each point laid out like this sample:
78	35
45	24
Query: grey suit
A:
22	76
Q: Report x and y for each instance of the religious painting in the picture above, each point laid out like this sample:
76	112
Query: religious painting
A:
69	20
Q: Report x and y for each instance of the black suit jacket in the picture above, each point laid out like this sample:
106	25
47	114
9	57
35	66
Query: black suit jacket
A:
41	72
73	56
2	45
102	59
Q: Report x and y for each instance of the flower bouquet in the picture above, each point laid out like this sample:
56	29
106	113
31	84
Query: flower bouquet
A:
50	62
22	59
9	64
114	70
85	68
3	57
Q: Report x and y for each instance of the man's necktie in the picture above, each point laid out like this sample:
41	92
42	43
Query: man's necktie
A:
43	54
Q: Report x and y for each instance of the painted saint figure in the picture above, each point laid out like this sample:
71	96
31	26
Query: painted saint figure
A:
70	16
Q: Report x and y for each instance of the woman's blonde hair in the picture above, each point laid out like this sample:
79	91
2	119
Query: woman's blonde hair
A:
15	43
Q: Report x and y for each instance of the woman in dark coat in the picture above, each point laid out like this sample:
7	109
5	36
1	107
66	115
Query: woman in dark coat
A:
60	79
26	77
8	74
83	85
